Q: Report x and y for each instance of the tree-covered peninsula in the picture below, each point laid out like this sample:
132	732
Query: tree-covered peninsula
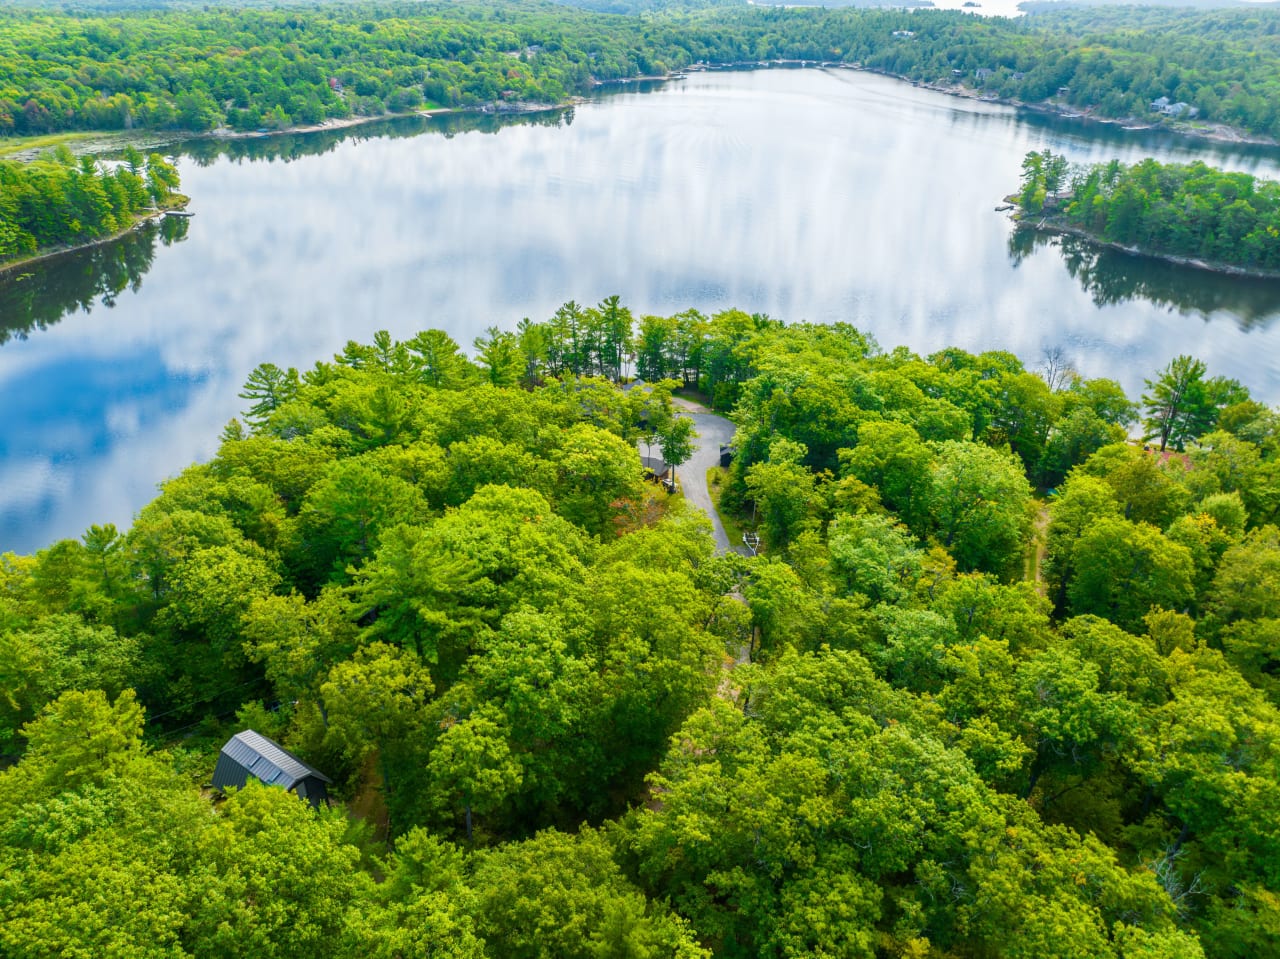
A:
63	201
1187	211
258	66
936	716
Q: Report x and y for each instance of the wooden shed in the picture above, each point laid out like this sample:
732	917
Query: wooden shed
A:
251	754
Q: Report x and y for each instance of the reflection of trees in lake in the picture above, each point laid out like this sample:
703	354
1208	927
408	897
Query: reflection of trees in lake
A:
37	297
293	146
1111	276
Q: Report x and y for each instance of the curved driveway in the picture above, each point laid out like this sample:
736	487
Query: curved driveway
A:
712	431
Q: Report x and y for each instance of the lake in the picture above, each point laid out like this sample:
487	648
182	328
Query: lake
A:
807	194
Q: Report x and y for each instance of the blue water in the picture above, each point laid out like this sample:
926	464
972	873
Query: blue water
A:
818	195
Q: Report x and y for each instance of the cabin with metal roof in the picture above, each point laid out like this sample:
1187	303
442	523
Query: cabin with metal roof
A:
251	754
658	471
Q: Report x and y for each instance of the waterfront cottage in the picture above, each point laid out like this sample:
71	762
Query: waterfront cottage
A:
1162	106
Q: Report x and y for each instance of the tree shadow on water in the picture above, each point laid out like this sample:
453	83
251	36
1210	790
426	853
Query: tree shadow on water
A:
1112	276
40	295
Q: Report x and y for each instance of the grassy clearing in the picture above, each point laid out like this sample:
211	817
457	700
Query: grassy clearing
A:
693	396
11	147
87	142
734	526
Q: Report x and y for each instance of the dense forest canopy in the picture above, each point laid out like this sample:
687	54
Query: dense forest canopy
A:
251	67
1188	210
913	726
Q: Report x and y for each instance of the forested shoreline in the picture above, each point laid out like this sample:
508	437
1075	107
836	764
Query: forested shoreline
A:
1190	213
558	723
63	202
261	67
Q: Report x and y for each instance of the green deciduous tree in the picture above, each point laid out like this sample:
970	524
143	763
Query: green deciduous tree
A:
55	654
980	506
563	895
1121	570
471	768
785	493
678	441
375	703
597	475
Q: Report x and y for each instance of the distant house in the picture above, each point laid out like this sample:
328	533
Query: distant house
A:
727	454
982	73
904	33
335	84
1019	75
1064	91
1162	106
251	754
641	389
957	74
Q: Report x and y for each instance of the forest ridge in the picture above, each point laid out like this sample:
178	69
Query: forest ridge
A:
975	721
259	67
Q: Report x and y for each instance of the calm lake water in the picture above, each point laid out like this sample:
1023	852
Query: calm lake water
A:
818	195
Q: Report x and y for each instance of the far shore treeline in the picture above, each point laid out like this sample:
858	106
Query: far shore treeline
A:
252	67
941	714
1182	210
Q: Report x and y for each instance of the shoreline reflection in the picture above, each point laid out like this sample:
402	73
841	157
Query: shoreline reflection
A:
38	297
1112	276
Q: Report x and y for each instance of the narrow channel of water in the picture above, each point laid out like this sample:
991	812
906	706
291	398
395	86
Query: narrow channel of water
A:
807	194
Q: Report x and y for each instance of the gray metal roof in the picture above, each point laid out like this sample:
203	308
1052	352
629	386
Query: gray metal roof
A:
267	761
654	465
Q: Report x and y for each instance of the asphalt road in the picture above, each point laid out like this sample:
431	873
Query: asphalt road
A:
692	476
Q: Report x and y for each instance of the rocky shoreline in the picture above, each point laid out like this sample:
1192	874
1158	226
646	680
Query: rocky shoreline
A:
1213	133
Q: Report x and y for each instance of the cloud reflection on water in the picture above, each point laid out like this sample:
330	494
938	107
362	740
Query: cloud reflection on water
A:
804	194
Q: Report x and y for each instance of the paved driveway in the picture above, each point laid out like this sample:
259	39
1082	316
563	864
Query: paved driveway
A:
712	431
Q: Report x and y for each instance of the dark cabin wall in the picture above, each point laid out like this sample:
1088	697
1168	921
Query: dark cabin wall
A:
228	772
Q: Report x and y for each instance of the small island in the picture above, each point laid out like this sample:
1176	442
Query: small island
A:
1191	213
62	203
